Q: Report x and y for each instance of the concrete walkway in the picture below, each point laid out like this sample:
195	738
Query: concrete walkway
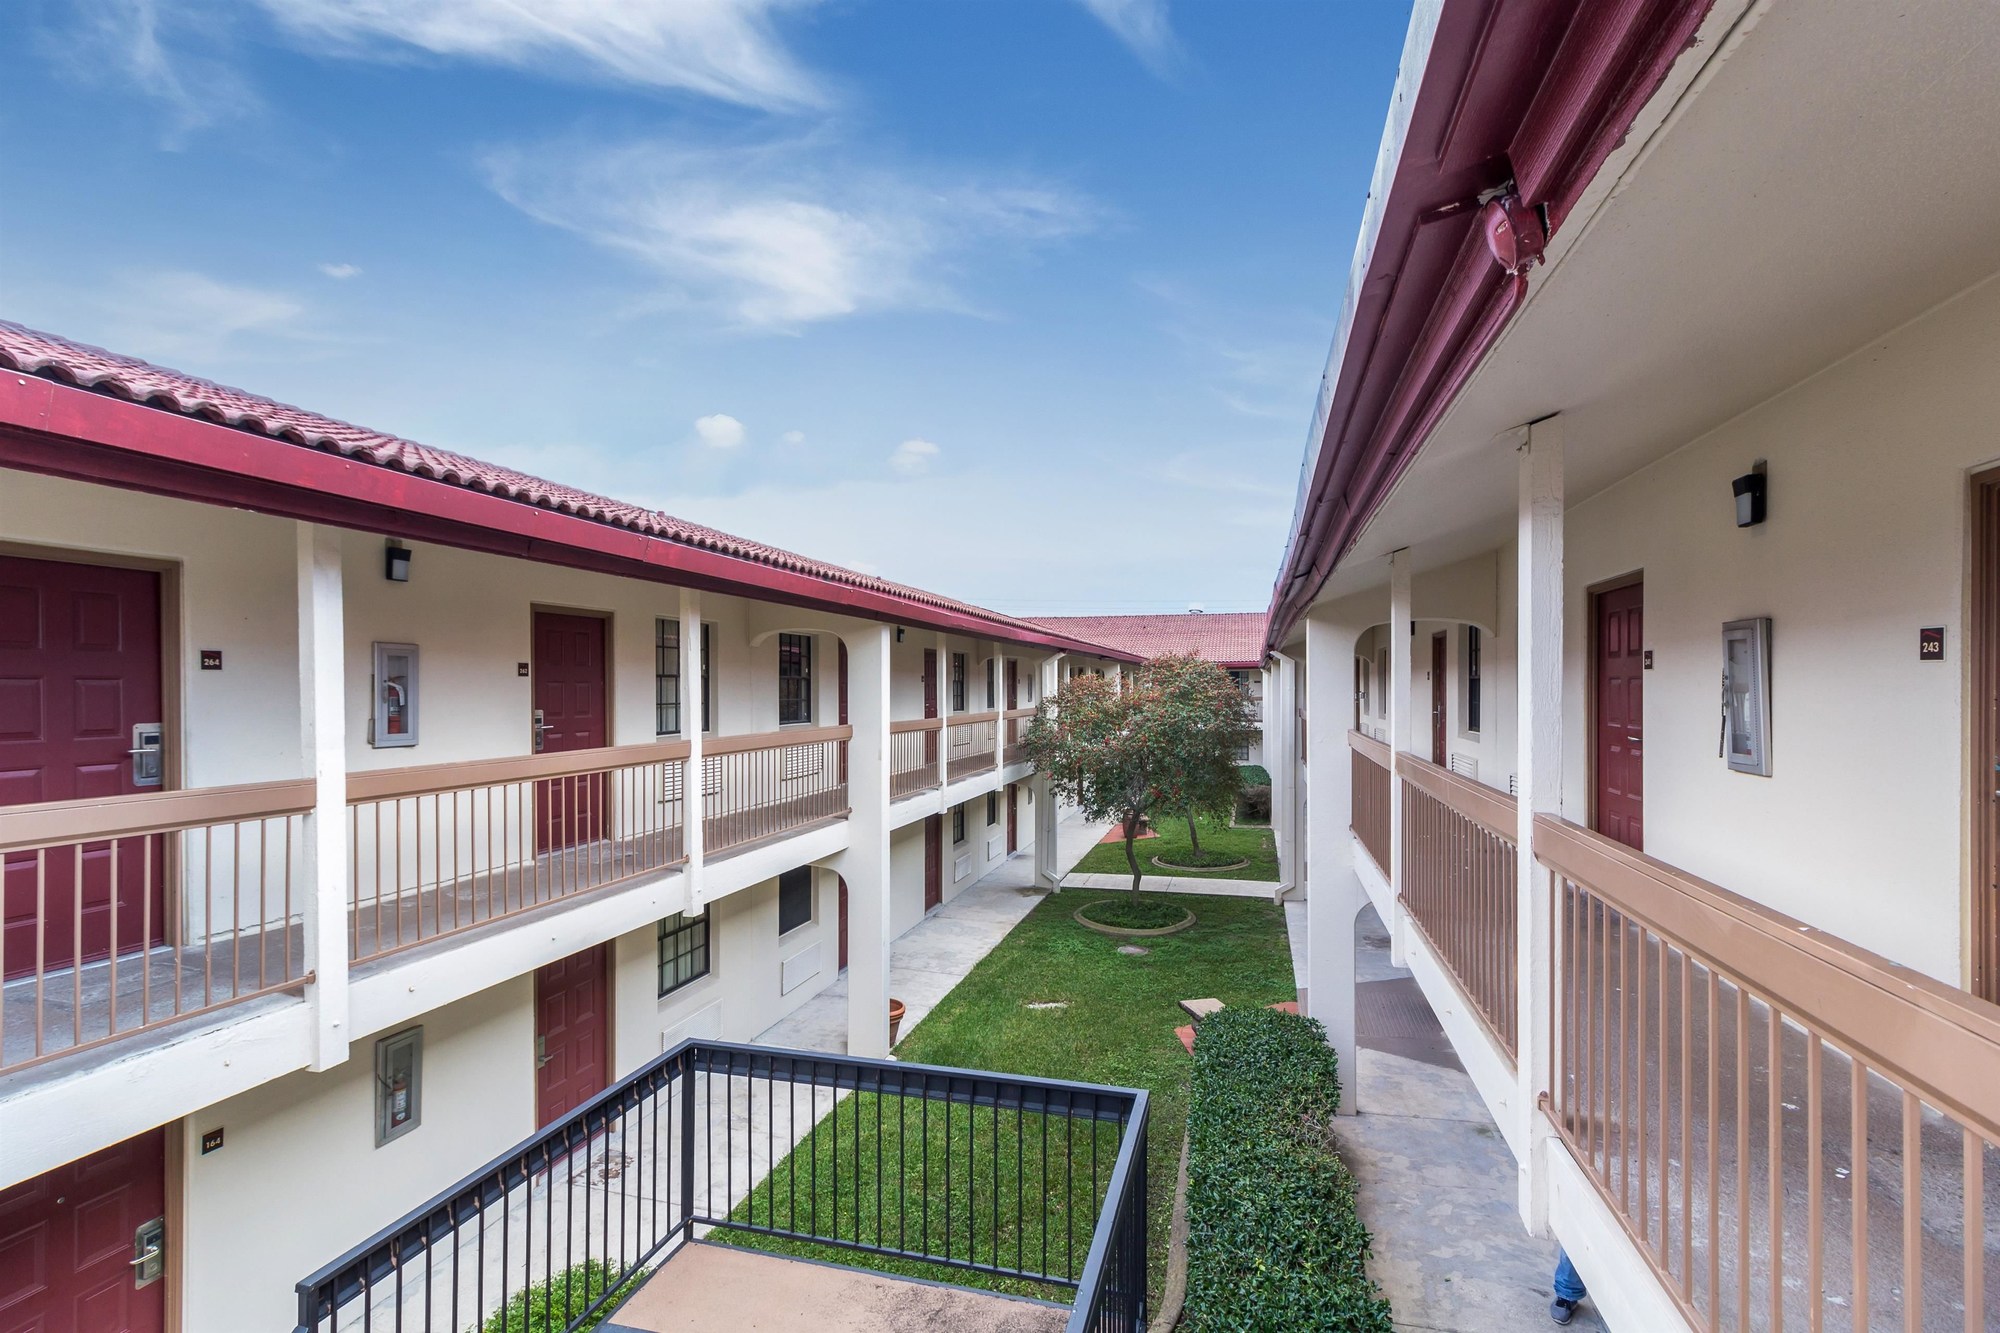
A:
935	954
1160	882
1435	1180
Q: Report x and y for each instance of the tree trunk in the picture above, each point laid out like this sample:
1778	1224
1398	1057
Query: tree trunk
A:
1194	838
1132	856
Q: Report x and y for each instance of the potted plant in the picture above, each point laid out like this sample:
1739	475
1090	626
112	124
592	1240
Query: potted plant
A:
896	1012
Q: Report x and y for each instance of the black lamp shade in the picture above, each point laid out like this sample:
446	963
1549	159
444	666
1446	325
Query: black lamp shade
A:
396	564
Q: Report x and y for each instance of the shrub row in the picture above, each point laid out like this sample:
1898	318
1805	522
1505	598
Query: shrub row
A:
1274	1241
1254	775
1253	806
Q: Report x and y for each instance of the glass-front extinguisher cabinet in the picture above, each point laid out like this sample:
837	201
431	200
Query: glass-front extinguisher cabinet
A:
395	691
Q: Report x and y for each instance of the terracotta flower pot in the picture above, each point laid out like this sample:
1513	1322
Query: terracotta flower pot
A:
896	1012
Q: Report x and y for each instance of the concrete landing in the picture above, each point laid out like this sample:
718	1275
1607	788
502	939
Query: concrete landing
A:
1435	1181
707	1287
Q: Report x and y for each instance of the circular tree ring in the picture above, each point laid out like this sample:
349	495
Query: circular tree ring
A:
1199	870
1130	931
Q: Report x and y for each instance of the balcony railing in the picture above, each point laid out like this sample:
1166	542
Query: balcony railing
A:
1370	815
970	737
446	847
1016	720
133	912
1458	885
1752	1097
913	756
758	787
961	1171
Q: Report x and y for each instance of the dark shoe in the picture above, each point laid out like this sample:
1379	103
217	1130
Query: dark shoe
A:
1561	1311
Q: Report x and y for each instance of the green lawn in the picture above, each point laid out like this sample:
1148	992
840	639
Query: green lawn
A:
1252	844
1117	1027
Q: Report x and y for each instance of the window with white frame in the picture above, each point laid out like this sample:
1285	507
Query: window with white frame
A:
683	951
668	699
795	703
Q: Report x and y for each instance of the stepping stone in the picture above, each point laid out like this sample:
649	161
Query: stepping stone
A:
1200	1009
1186	1034
1285	1006
1133	950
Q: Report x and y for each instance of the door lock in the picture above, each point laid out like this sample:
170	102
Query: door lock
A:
542	1055
540	727
149	1252
148	753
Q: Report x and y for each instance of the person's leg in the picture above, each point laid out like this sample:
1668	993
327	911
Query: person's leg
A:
1568	1285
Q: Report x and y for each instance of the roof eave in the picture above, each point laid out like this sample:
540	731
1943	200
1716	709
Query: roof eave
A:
59	430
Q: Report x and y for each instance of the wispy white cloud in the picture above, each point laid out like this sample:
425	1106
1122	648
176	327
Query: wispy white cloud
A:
720	431
1144	27
725	49
173	51
794	437
782	233
341	272
913	458
176	313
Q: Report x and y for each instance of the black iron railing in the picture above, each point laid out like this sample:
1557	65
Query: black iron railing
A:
1037	1184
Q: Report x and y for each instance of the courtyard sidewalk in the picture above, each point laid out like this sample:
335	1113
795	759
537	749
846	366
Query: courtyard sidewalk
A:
934	955
1435	1181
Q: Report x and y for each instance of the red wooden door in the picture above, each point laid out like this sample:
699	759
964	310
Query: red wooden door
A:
1620	740
79	666
66	1243
933	861
843	924
572	1036
1438	755
1013	818
569	697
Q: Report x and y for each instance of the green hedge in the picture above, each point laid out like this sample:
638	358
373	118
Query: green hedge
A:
1254	775
557	1304
1274	1241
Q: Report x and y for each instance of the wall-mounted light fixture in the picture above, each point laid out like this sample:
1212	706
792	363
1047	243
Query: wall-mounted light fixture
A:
396	563
1749	489
899	634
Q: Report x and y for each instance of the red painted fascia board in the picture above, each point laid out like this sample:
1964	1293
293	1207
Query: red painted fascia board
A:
1612	56
64	431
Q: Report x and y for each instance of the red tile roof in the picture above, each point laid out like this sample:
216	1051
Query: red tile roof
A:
52	357
1232	639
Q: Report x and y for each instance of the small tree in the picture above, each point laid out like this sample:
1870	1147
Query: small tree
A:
1168	742
1203	721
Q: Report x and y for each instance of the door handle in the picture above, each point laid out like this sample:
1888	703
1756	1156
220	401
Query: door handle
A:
542	1055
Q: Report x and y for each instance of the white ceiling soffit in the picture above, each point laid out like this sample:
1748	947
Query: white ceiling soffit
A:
1828	174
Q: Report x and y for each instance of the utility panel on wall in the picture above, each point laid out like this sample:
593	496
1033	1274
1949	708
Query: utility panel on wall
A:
1746	695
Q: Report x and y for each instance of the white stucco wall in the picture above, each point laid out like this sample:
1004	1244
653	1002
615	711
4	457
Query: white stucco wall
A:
299	1179
1860	827
237	594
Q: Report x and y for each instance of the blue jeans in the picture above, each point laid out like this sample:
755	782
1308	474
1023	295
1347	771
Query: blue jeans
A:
1569	1286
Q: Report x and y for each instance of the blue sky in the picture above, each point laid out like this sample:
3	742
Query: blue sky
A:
1024	301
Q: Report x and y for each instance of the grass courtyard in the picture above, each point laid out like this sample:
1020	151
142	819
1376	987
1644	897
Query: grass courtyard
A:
1252	844
1099	1016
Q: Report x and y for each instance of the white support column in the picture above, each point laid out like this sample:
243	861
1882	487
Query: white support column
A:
864	864
944	714
1538	764
694	785
1047	676
999	709
1401	730
323	745
1281	759
1333	893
